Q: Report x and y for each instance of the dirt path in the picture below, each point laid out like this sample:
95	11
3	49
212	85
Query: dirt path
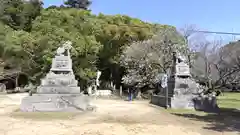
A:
111	118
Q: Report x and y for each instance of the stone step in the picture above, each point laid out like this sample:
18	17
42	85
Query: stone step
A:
58	90
55	102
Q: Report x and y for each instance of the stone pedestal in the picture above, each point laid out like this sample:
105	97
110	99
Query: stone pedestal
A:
59	82
58	90
182	90
55	103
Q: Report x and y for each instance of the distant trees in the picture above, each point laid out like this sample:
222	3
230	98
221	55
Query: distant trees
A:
119	46
19	14
79	4
116	33
145	60
98	41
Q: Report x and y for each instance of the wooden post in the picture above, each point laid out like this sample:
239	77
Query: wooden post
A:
114	87
16	80
128	93
16	83
111	84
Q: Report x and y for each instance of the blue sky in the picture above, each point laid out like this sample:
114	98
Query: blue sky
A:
213	15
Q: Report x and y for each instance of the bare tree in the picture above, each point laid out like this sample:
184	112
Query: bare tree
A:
192	40
204	62
211	62
227	65
145	60
219	65
188	30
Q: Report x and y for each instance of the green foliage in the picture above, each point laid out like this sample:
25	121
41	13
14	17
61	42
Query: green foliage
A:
229	100
116	33
19	14
98	41
79	4
4	29
32	52
57	26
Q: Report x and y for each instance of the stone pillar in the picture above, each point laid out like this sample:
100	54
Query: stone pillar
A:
89	90
95	89
120	91
16	80
180	84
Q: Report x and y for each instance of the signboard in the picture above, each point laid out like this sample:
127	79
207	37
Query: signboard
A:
182	69
164	81
61	63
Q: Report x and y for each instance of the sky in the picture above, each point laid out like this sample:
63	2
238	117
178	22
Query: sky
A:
212	15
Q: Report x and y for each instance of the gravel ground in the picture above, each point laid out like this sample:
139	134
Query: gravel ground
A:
112	117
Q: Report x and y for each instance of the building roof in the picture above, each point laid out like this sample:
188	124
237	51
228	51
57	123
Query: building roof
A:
8	73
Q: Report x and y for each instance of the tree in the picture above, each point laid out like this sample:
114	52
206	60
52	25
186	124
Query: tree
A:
193	40
4	29
145	60
98	42
19	14
203	62
215	65
76	26
115	33
32	52
227	65
79	4
202	52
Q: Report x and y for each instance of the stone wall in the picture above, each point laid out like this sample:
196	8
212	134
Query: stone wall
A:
206	104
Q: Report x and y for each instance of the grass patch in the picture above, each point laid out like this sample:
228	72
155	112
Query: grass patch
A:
44	116
227	119
229	100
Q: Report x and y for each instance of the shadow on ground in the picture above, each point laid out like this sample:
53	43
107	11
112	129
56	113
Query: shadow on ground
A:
225	119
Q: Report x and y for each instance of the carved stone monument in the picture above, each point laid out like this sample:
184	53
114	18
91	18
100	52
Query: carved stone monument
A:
182	88
183	91
58	90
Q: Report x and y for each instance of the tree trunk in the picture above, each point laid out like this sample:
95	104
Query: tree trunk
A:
17	89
